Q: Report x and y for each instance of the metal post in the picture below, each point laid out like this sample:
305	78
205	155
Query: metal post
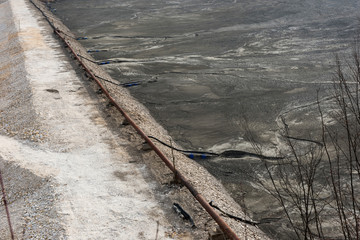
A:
6	206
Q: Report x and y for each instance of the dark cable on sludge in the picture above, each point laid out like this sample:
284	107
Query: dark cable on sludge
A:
225	154
211	203
253	223
129	84
103	62
98	63
190	154
88	59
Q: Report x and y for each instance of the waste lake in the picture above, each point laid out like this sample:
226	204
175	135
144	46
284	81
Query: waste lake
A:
211	72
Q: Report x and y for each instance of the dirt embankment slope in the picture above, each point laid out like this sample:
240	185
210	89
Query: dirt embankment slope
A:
71	170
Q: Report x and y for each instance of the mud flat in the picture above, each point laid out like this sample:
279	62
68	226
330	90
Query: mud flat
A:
71	169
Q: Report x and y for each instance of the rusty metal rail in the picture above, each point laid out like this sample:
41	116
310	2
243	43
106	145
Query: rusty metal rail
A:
6	206
222	224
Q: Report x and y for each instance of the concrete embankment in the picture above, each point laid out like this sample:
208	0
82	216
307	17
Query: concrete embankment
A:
71	169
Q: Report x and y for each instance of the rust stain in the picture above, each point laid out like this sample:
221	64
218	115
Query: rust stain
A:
4	76
12	50
13	36
31	38
15	51
5	67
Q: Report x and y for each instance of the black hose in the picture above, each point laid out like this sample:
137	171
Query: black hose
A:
240	154
225	154
88	59
232	216
128	84
262	221
202	153
106	80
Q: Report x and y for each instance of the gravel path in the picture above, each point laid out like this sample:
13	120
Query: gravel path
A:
72	170
67	177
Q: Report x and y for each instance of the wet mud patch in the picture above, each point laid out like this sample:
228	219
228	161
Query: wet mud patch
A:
52	90
122	175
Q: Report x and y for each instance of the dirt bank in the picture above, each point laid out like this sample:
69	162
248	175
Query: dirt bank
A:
72	170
